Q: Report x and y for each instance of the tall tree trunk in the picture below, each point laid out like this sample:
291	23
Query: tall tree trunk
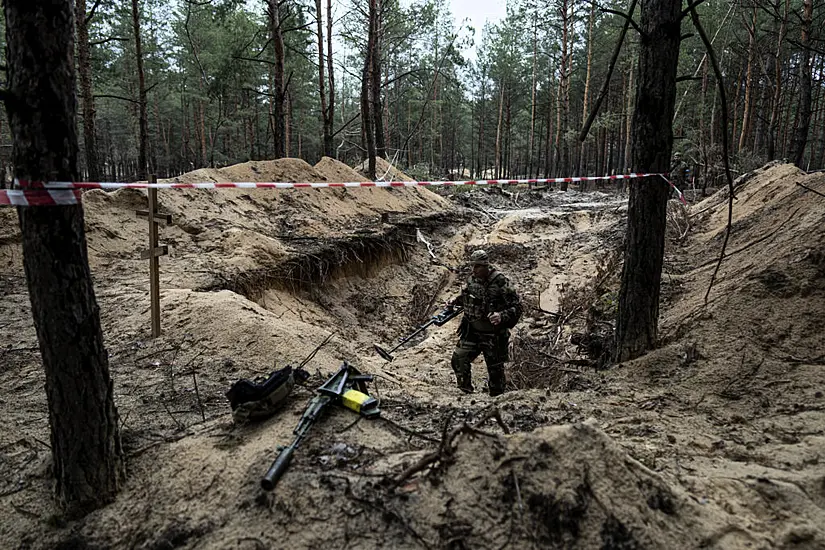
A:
326	122
84	67
800	136
367	115
776	105
586	98
85	439
533	97
628	147
143	123
746	116
331	78
498	129
377	109
278	80
480	167
563	99
638	316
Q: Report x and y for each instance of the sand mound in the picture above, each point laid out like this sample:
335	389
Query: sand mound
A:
774	269
384	170
337	171
557	487
252	229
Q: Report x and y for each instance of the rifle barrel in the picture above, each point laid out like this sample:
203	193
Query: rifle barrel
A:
278	467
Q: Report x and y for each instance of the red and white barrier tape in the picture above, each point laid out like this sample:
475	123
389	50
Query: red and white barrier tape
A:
33	193
39	197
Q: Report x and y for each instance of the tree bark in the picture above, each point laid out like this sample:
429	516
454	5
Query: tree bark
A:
746	115
85	440
278	80
498	129
143	123
652	142
326	121
585	106
800	136
375	59
776	105
533	98
367	114
331	78
84	67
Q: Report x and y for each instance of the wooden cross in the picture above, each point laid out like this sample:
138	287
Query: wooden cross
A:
153	254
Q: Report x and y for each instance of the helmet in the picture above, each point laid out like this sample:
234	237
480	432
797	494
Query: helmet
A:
479	257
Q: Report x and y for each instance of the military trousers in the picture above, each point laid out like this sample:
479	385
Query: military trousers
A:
493	346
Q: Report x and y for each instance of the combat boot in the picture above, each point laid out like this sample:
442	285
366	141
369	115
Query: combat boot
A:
497	381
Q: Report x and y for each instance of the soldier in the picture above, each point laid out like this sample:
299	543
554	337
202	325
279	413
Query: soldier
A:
491	308
678	174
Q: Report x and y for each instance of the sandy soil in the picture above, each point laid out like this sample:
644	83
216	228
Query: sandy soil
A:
714	440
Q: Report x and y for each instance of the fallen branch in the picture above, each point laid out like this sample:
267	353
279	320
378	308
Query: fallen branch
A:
447	448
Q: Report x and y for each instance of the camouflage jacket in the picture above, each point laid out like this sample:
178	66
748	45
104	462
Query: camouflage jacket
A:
493	294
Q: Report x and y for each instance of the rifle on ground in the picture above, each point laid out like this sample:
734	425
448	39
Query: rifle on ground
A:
438	319
346	387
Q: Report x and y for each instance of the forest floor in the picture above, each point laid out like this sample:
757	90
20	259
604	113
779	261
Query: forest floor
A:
714	440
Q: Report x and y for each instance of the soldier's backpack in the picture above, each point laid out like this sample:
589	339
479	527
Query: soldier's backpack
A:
263	397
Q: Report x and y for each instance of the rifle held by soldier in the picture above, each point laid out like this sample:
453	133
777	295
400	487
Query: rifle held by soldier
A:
439	319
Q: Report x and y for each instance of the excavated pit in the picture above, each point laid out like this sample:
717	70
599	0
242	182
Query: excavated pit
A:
714	440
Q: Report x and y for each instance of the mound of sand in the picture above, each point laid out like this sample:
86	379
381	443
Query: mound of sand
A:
557	487
250	228
337	171
384	170
774	268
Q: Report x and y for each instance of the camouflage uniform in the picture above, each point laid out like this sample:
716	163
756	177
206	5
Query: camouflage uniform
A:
678	174
478	335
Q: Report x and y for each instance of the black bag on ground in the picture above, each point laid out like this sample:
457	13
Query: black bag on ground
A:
263	397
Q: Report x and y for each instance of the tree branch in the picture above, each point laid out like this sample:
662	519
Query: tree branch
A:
347	123
243	58
129	99
107	40
685	78
627	17
92	11
720	83
691	7
603	92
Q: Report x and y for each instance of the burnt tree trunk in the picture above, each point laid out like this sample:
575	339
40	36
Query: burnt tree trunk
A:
800	136
143	124
652	141
85	440
84	67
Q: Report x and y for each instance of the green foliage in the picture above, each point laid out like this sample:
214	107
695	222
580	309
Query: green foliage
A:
495	108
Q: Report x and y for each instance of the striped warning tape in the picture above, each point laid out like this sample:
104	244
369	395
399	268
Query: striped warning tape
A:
53	193
40	197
